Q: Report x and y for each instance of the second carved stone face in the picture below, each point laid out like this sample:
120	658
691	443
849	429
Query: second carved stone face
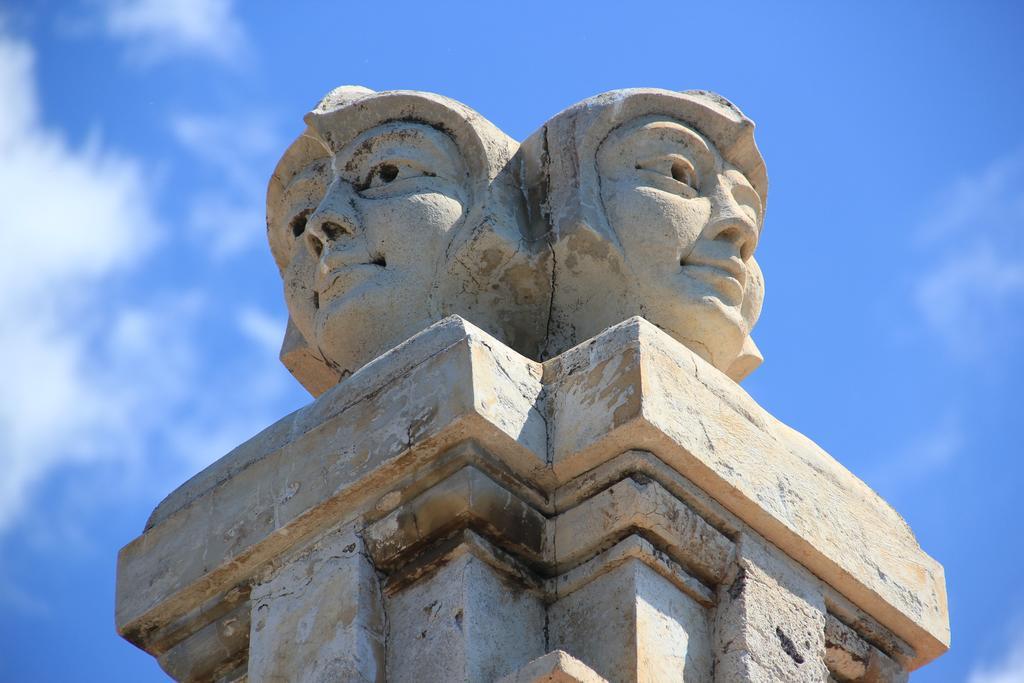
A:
653	202
688	223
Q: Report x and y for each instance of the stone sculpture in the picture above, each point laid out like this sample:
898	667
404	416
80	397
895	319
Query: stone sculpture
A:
529	460
418	218
654	202
635	202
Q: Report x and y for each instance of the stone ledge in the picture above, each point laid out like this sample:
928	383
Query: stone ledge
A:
634	387
632	547
634	506
555	435
467	499
325	463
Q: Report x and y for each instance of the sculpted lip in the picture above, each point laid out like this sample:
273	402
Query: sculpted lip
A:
729	276
345	277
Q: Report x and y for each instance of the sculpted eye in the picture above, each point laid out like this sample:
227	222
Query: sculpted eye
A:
683	172
389	177
671	173
387	172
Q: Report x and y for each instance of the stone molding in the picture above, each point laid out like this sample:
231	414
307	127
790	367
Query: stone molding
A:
628	451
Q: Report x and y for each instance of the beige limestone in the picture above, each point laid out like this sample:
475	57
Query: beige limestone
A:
770	622
658	396
415	215
319	617
511	446
631	624
450	507
462	623
654	202
555	667
634	202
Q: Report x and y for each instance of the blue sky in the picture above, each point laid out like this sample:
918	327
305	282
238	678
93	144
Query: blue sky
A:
140	310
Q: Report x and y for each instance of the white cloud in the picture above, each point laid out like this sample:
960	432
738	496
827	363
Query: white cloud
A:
69	219
227	142
1009	669
264	329
990	201
972	297
90	379
240	152
930	452
156	30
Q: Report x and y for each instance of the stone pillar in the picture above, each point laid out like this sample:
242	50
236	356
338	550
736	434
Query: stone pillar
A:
455	511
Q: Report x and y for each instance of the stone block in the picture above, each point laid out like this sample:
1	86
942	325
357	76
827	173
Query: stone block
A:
465	622
770	621
634	387
467	499
319	617
326	462
631	624
641	505
554	667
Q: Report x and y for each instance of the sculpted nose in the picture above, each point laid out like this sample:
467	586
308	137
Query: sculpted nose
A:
733	222
335	221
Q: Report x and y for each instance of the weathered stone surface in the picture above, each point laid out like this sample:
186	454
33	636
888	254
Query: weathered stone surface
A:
305	363
319	618
638	201
630	506
630	624
635	387
466	622
214	652
850	658
630	548
453	508
770	622
554	667
467	499
653	201
557	485
415	213
322	463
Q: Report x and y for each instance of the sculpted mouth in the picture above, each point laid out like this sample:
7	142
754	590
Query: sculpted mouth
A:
345	277
727	276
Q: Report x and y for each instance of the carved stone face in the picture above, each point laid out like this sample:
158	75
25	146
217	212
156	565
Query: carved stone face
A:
377	239
687	222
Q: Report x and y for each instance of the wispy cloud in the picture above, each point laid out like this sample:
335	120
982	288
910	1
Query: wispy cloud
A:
91	376
1008	669
239	150
157	30
262	328
972	297
69	219
925	455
